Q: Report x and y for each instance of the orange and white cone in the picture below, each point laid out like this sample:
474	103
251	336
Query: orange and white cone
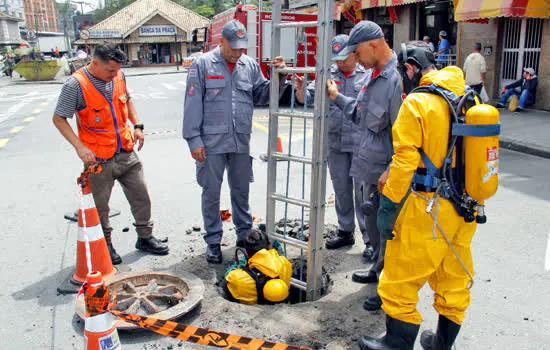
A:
99	253
279	150
99	331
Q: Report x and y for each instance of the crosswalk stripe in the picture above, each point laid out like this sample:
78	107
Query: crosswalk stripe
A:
28	119
45	103
37	111
3	142
16	129
169	87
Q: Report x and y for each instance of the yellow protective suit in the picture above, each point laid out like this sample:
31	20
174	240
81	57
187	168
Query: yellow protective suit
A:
413	257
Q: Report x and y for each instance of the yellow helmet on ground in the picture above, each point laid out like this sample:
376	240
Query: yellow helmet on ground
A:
275	290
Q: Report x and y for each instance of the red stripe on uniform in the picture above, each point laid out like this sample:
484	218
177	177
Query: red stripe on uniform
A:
215	77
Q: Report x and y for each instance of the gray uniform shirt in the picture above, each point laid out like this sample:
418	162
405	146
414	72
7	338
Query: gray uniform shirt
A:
374	111
343	134
219	104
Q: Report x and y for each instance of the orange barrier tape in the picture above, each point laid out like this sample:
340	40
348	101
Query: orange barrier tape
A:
202	336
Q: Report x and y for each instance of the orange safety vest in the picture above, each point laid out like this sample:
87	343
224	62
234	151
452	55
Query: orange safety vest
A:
102	124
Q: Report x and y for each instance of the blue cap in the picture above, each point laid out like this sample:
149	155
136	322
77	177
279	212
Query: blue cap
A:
339	43
235	32
363	31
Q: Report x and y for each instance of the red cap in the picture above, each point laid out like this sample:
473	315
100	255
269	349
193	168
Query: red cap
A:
94	277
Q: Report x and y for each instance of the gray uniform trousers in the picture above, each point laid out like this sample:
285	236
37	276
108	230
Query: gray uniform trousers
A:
126	168
348	193
210	178
378	243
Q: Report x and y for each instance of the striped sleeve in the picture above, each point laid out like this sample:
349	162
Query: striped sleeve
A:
71	99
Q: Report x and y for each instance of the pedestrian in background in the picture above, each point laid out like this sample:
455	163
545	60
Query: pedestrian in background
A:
97	94
475	68
428	41
443	50
223	86
528	90
374	111
343	140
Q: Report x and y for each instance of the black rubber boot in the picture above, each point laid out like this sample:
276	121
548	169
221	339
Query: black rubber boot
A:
445	337
115	258
399	336
152	245
341	239
364	276
373	303
214	254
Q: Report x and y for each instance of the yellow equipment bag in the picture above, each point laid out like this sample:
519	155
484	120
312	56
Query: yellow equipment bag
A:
514	100
249	281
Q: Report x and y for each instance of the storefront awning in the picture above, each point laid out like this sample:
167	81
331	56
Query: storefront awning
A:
402	2
476	9
365	4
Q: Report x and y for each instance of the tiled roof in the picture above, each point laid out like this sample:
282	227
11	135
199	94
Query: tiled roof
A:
132	16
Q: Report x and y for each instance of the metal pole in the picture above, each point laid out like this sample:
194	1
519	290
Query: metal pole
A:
273	119
319	151
176	49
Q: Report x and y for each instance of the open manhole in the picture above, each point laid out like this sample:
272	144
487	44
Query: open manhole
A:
153	294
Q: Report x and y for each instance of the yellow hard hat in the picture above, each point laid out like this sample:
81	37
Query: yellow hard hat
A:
275	290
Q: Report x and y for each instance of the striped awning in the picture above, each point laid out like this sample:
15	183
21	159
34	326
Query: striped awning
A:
475	9
365	4
402	2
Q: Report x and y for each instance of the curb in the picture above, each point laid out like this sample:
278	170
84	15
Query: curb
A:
533	150
51	82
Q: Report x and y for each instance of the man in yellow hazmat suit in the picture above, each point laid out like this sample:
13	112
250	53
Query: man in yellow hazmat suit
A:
416	250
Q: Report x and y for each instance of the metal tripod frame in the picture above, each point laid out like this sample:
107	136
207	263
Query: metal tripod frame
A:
318	160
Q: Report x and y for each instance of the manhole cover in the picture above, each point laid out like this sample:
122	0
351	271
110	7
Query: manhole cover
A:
153	294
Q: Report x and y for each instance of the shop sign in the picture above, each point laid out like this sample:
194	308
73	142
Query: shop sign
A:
157	30
99	34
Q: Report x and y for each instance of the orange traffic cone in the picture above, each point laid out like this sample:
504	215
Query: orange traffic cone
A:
99	330
99	254
279	150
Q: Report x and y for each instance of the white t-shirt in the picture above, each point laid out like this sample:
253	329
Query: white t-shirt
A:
473	67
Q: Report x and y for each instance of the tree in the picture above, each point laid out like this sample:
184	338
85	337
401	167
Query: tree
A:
111	8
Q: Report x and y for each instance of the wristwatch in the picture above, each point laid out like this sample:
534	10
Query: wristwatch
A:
138	126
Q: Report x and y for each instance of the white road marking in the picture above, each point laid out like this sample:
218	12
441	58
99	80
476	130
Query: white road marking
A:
28	119
169	86
547	260
16	129
3	142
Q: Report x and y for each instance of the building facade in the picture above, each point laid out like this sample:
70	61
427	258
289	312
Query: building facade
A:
9	30
151	32
41	15
14	8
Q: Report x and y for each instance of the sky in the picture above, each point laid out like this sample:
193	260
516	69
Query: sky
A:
92	4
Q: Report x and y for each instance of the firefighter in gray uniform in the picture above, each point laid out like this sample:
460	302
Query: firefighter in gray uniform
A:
343	137
223	86
374	111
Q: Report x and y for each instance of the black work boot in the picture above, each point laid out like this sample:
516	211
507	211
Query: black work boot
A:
399	336
115	258
152	245
445	337
214	253
373	303
341	239
364	277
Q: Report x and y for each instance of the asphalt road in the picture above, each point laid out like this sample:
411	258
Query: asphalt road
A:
510	308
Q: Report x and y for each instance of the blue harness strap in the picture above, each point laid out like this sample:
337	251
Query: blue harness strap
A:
479	130
430	181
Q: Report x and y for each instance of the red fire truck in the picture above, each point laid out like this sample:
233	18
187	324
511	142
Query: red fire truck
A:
258	27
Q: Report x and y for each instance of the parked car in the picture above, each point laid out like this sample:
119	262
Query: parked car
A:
187	61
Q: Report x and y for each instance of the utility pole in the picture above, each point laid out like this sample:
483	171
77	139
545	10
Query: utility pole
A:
82	17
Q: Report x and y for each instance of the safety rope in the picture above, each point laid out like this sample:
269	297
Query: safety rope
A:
429	209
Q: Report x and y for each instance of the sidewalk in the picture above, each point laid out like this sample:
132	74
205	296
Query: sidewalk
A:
526	132
137	71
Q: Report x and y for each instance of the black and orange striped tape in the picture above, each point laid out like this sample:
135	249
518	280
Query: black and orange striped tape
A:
202	336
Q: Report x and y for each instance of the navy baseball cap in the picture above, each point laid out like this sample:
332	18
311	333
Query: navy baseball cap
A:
363	31
235	32
339	43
